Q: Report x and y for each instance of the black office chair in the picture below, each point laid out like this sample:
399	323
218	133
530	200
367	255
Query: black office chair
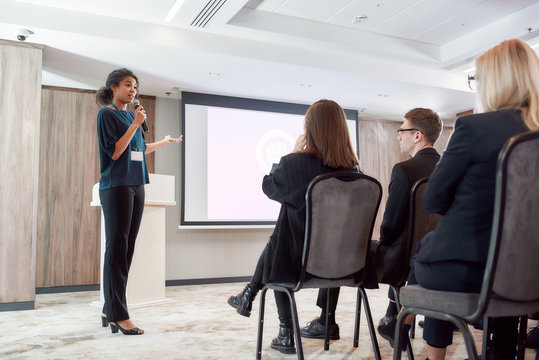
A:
510	284
341	209
420	222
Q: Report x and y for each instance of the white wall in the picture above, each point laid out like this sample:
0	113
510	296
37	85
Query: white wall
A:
198	254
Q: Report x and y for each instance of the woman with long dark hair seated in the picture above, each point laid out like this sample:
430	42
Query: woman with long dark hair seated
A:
324	147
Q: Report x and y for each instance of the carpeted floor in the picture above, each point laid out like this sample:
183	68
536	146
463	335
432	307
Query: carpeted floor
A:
198	324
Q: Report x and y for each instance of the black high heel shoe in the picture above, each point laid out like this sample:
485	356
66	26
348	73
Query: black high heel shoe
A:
243	302
114	327
104	321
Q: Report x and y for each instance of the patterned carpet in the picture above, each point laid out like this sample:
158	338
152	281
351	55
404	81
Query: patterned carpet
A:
198	324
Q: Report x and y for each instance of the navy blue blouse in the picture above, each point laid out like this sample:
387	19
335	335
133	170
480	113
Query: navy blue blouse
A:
111	126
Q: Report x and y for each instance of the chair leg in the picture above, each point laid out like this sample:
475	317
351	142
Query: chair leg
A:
295	323
409	349
486	337
398	329
522	337
358	319
260	323
328	307
368	315
395	292
468	338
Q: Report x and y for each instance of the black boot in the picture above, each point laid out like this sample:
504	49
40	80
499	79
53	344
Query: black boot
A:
243	302
284	342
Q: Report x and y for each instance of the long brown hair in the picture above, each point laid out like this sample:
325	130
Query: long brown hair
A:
326	135
508	78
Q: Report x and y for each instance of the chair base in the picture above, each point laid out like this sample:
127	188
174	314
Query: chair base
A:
361	298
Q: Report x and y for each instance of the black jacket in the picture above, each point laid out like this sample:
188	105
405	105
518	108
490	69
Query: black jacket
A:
403	176
287	183
390	260
462	187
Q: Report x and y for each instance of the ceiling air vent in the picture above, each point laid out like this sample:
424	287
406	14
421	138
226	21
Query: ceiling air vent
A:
207	13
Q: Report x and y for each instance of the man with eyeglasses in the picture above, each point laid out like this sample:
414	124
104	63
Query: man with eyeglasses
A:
417	135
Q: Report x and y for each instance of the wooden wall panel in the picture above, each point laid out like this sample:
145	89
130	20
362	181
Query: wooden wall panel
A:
68	233
379	150
68	242
20	82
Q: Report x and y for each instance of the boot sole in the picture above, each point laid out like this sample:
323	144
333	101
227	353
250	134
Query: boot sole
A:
321	337
284	350
390	340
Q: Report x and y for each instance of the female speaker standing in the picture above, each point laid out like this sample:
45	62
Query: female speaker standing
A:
122	155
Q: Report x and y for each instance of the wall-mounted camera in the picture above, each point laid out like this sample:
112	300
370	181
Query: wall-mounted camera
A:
24	34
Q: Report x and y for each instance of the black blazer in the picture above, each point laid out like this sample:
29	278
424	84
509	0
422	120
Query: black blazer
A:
287	183
403	176
389	252
462	187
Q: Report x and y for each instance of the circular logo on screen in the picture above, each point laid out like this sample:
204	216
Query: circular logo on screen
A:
271	146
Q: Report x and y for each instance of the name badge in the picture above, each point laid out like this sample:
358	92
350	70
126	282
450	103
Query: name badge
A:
136	156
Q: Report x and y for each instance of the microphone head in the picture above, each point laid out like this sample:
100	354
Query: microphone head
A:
135	103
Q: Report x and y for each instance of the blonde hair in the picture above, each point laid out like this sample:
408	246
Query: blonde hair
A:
508	78
326	135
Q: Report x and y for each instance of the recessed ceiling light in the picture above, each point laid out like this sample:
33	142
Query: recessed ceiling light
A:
173	10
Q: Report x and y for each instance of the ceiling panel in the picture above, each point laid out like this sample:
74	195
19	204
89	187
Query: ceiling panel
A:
265	5
377	11
474	18
147	11
317	10
423	16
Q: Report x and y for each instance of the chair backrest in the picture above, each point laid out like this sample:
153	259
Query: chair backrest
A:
516	219
512	265
341	209
420	221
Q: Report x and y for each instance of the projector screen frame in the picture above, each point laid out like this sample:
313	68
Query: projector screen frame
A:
192	98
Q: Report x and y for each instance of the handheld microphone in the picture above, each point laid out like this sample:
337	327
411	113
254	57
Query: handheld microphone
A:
136	104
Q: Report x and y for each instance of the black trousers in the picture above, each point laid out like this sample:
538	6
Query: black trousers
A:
281	299
460	276
122	210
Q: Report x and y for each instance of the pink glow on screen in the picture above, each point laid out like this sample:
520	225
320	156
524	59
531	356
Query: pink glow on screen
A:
238	160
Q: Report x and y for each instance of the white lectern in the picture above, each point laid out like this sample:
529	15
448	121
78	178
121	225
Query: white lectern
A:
146	284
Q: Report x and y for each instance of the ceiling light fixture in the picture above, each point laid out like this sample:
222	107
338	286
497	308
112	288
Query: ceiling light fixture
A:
173	10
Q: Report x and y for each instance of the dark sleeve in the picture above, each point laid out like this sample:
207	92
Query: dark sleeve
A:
396	212
107	131
450	169
275	185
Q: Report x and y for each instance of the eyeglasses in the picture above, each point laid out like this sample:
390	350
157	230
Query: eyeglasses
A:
471	82
399	131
